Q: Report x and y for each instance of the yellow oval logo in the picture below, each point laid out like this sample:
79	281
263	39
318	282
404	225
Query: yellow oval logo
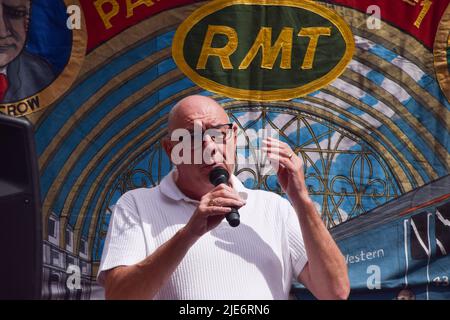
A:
271	50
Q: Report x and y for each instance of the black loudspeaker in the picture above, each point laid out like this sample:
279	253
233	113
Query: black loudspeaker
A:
20	212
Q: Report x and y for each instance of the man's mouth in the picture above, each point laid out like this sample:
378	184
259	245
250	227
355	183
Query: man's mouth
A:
5	47
214	165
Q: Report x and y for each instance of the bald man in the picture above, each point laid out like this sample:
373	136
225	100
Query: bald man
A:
172	242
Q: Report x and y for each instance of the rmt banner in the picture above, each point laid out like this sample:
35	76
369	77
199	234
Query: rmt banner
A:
358	89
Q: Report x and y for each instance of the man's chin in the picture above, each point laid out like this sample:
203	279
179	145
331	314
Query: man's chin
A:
5	57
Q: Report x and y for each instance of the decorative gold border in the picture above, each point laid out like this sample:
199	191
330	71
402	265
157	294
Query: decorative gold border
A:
67	77
441	45
257	95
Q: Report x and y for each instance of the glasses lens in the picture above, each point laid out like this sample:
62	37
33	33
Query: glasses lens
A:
219	134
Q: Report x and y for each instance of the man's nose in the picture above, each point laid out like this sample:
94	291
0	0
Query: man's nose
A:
4	25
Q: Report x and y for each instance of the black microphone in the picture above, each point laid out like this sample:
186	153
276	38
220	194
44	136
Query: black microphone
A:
217	176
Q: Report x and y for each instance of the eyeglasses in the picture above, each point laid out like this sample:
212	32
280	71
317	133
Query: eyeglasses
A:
219	134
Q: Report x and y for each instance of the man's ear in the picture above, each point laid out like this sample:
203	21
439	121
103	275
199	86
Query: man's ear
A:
235	132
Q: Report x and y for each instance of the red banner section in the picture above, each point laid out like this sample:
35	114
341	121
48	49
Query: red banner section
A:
107	18
420	18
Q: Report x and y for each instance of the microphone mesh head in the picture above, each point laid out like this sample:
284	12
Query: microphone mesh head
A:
218	175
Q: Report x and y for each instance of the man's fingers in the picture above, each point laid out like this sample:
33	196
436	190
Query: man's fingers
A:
215	211
277	150
283	161
274	142
228	194
226	202
222	186
275	145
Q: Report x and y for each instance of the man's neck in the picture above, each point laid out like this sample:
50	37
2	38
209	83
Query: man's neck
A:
186	188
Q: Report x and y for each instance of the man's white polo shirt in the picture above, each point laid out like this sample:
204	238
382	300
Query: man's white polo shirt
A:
256	260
